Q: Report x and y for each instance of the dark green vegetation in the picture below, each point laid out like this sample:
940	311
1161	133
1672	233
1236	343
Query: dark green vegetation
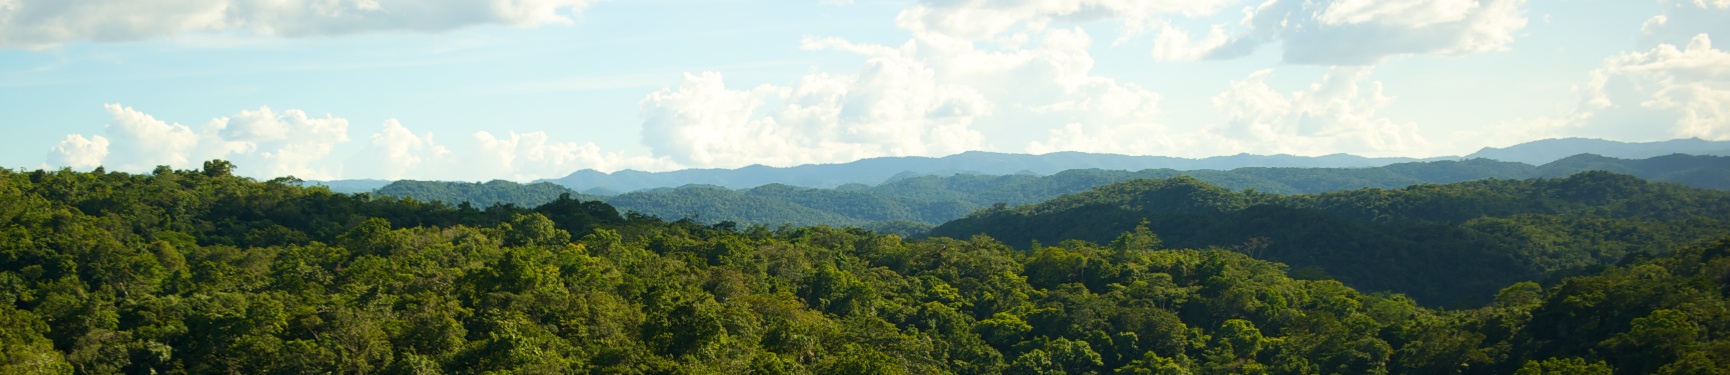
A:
906	205
479	194
1453	244
203	272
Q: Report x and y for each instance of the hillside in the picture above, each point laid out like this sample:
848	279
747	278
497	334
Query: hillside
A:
932	200
1452	244
203	272
479	194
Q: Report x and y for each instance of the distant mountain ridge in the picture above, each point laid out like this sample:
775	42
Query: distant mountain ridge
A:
351	186
929	200
879	170
1549	150
876	171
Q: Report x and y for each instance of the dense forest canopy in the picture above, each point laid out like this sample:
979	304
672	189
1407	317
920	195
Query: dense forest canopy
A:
204	272
1452	244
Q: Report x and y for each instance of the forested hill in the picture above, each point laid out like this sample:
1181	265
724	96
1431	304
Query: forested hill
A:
202	272
1447	244
908	205
482	195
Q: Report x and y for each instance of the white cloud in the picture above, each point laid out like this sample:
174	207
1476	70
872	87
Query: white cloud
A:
533	155
396	152
1678	85
47	23
270	143
79	152
1410	13
140	142
1174	44
1364	32
1683	19
265	143
983	19
894	107
1338	114
1326	32
1664	92
936	94
279	144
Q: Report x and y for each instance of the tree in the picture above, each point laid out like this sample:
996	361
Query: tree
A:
218	168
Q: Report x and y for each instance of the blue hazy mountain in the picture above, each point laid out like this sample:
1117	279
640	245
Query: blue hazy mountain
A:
878	170
933	199
350	186
887	169
1548	150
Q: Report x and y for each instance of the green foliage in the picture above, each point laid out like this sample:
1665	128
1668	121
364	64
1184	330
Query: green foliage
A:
488	194
909	206
188	272
1449	245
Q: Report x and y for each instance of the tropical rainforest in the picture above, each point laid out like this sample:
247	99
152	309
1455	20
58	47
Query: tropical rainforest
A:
201	271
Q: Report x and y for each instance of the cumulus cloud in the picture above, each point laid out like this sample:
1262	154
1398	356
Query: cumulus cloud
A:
1681	20
1364	32
1324	32
1667	91
278	144
139	141
983	19
934	95
46	23
1106	117
396	152
894	107
533	155
266	143
78	152
1337	114
1174	44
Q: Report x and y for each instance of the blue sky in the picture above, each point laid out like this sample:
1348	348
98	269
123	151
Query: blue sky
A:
528	89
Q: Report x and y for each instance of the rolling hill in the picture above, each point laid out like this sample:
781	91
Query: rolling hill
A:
1448	244
915	202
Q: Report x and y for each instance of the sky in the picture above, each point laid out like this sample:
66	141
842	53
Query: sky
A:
522	90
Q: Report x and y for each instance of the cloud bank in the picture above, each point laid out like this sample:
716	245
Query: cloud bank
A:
35	24
266	143
1365	32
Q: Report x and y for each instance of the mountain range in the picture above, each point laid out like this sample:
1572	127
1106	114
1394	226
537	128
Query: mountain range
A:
1545	151
876	171
887	169
907	205
1439	243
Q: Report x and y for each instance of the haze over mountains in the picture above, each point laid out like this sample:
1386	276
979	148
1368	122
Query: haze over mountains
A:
879	170
906	205
1545	151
